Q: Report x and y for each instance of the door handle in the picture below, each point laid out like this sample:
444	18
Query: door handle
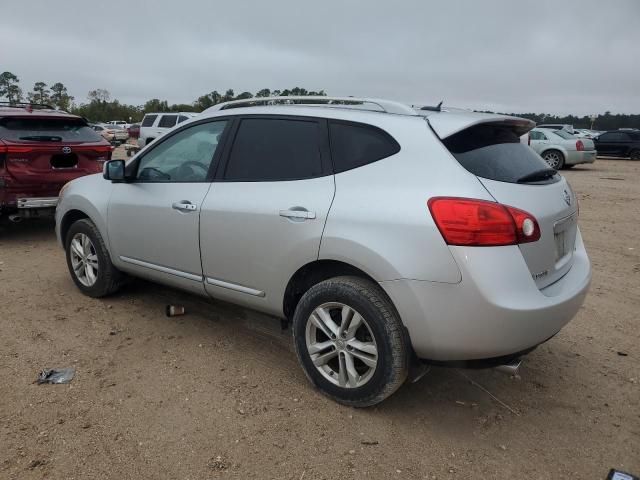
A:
184	206
301	214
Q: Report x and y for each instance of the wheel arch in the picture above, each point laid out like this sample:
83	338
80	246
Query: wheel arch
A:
315	272
69	219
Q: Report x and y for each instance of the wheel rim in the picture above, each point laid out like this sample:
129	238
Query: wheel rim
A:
553	159
84	259
341	345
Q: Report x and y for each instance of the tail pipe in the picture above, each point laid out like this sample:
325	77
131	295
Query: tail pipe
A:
15	218
510	368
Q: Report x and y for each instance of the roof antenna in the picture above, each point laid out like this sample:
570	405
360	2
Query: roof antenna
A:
437	108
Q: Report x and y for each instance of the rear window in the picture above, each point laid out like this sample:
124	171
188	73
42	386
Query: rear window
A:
148	120
47	130
495	153
564	134
354	145
168	121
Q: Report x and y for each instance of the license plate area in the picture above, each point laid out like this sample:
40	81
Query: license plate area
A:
64	160
564	235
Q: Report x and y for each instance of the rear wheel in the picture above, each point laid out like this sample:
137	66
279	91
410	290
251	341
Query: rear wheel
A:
89	262
350	341
634	155
554	158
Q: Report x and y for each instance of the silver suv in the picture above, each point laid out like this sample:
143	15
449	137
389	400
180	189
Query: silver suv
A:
387	235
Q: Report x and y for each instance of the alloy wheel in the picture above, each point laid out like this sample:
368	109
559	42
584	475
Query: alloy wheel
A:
341	345
84	259
553	159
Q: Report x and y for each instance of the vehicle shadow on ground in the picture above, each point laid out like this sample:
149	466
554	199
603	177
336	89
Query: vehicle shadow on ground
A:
31	229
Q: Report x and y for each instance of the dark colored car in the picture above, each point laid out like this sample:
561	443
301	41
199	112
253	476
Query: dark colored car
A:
134	130
41	149
619	143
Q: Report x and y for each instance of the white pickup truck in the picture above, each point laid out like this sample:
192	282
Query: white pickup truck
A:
155	125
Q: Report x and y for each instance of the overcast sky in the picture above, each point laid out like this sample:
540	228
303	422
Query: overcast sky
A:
558	56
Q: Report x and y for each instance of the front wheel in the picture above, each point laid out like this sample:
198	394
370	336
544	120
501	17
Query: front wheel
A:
89	262
350	341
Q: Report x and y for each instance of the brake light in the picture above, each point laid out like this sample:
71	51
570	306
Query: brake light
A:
579	146
471	222
14	149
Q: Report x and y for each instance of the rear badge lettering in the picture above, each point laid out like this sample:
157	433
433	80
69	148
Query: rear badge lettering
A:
538	276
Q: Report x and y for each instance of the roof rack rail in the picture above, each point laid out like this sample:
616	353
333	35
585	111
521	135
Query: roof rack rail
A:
37	106
384	106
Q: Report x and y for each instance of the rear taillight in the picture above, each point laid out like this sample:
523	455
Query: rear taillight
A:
529	139
579	145
13	149
470	222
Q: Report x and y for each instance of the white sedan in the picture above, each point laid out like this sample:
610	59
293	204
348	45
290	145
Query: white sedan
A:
560	149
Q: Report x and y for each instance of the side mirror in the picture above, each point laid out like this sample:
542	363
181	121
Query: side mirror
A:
114	171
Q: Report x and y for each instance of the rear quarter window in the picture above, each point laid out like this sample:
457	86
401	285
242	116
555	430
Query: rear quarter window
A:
495	153
354	145
47	130
168	121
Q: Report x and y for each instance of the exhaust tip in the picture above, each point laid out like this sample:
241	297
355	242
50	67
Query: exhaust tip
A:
15	218
510	368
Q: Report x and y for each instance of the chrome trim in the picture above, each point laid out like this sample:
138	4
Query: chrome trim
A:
160	268
38	202
235	286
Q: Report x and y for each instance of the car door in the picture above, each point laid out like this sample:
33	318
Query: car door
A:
538	140
264	216
153	218
611	143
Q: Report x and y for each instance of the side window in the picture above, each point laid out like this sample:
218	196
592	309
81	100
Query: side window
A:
535	135
183	157
354	145
168	121
275	149
542	136
182	118
148	120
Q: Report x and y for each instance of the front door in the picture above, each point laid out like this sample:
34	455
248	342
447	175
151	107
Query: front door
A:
153	220
264	216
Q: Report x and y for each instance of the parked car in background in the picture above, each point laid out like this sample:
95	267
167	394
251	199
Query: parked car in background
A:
134	130
121	123
561	149
619	143
41	149
557	126
155	125
383	233
586	133
112	133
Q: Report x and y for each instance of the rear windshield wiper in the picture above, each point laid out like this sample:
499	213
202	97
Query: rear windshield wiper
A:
42	138
537	176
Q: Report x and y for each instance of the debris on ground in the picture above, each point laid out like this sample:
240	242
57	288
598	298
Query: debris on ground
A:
217	463
622	354
174	310
56	375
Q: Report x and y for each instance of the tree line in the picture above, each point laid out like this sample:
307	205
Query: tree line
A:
100	107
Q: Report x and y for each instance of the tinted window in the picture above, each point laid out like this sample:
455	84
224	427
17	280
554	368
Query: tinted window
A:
355	145
613	137
47	129
182	118
148	120
496	153
168	121
275	149
564	134
183	157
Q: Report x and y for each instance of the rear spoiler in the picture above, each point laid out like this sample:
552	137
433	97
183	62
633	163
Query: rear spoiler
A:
446	124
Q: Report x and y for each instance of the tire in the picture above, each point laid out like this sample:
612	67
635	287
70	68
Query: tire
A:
554	158
106	279
634	155
380	329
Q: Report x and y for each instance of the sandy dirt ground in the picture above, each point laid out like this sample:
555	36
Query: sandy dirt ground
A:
217	393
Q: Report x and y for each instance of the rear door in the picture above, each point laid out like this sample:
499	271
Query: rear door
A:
264	216
43	153
612	143
516	176
538	140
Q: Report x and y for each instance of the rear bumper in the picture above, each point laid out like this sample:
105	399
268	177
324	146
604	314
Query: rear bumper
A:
585	156
495	311
37	202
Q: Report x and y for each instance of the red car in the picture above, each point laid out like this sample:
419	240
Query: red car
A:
41	149
134	130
